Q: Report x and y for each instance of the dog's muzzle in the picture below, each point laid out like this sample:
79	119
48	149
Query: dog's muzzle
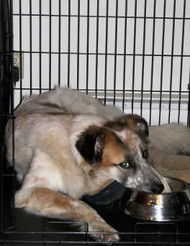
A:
157	187
153	183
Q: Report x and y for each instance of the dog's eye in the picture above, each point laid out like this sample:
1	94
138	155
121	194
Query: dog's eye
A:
145	154
124	165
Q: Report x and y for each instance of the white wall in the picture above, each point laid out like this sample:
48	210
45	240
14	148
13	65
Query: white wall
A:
133	70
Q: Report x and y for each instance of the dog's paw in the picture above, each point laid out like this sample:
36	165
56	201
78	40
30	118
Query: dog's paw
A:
103	232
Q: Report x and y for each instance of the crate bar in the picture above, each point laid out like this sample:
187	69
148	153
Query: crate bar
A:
134	56
1	178
124	58
162	61
87	46
97	47
59	45
63	243
104	16
69	40
106	51
138	91
181	64
152	64
12	105
9	37
188	106
103	54
3	32
143	58
172	58
188	115
20	46
6	96
30	27
40	47
115	52
78	46
50	43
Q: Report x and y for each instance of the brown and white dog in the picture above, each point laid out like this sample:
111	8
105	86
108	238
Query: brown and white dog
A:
67	145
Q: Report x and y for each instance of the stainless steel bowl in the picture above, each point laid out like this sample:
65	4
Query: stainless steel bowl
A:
170	206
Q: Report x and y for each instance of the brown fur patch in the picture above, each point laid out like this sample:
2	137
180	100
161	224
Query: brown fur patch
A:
114	151
49	197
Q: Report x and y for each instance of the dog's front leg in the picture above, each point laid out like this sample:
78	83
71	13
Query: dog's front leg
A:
49	203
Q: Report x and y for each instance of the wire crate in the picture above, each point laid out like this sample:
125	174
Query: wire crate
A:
131	54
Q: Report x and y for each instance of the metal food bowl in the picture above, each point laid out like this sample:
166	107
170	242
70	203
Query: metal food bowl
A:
169	206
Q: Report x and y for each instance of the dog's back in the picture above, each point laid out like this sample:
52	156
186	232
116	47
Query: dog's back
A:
66	100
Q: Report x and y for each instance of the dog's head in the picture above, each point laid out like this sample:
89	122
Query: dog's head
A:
119	155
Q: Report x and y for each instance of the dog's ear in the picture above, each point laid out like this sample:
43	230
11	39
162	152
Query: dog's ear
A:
135	123
91	143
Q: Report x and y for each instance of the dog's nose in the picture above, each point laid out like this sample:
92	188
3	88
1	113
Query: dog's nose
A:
157	188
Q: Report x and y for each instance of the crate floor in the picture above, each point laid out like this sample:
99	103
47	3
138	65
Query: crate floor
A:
32	230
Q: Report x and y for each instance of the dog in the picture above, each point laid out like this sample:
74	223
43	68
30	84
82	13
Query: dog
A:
171	138
66	148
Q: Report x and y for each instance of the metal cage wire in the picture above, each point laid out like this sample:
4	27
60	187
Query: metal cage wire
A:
135	54
132	54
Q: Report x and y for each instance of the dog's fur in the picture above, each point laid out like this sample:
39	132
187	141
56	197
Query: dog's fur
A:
67	145
171	138
66	100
